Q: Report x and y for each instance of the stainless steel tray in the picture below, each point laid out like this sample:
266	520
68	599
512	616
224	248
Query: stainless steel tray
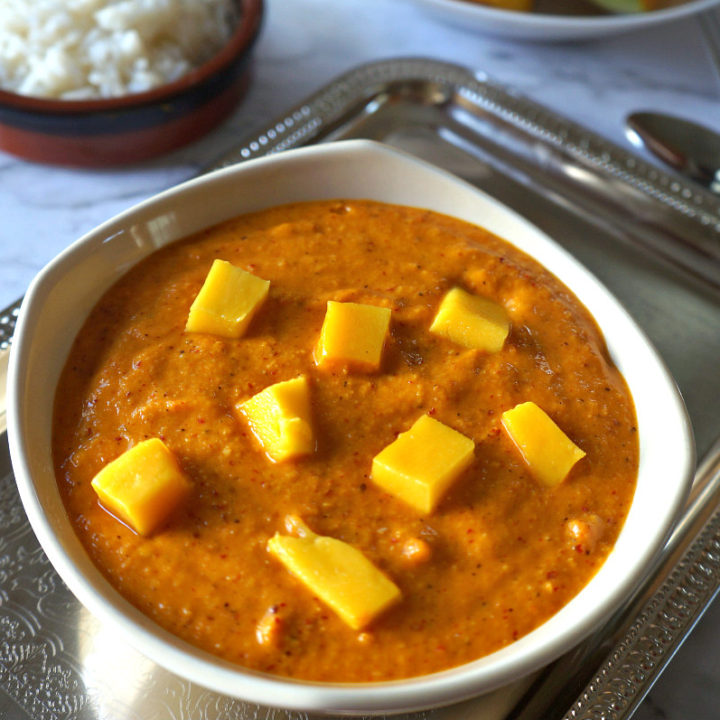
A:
651	237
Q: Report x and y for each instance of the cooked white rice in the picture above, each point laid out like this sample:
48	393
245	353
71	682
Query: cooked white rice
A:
77	49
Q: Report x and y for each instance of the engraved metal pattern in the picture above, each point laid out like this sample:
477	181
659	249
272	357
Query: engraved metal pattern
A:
668	616
35	670
8	318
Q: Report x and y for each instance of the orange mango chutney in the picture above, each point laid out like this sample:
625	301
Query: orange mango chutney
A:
499	553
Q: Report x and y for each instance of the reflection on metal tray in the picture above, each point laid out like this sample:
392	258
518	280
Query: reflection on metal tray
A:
651	237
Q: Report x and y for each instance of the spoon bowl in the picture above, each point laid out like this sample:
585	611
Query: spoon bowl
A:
684	145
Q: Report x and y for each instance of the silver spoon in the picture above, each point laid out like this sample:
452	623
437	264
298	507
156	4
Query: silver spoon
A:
689	148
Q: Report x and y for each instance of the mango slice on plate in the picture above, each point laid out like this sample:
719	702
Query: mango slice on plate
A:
548	451
471	321
142	486
353	334
280	418
227	301
422	463
339	574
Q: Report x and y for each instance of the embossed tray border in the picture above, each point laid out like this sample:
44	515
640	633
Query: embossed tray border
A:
695	244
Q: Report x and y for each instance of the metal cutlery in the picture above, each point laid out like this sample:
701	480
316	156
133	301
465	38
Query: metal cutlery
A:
686	146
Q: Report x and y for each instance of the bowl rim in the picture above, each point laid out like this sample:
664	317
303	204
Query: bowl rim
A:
239	44
442	688
688	7
536	26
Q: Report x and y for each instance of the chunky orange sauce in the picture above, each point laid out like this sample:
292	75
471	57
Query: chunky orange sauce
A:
498	556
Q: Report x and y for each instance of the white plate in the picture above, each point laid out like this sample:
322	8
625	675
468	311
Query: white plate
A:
63	294
535	26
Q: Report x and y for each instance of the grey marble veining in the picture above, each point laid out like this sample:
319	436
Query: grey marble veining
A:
304	44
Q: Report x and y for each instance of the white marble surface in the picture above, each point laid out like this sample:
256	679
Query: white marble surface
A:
304	44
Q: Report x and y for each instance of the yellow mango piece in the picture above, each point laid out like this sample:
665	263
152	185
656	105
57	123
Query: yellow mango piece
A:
353	334
339	574
280	418
227	301
142	486
422	463
547	450
471	321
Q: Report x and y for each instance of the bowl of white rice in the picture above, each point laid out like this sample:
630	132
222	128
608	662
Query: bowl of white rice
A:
107	82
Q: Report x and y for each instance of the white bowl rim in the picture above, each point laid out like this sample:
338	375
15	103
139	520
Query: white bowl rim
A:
166	650
534	26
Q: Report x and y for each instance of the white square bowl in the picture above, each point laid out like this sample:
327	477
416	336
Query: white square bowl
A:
62	295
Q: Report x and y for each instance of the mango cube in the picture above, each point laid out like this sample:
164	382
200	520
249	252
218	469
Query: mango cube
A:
471	321
227	301
353	334
339	574
280	418
142	486
422	463
548	451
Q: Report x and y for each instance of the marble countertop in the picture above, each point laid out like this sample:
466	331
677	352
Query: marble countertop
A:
304	44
